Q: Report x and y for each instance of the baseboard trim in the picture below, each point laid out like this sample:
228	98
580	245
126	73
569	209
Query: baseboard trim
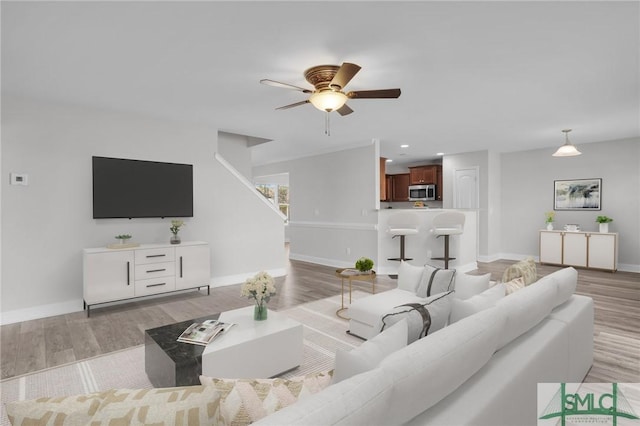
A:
40	311
227	280
321	260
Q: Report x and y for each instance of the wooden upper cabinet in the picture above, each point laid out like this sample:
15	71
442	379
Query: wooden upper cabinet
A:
401	187
423	174
439	183
383	179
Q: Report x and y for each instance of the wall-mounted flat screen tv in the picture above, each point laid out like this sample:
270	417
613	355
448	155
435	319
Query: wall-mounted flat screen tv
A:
125	188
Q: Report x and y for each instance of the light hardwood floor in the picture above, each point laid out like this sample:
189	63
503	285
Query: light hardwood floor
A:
34	345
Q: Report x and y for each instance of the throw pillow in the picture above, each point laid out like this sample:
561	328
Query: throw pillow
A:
69	410
466	286
435	281
178	405
368	355
244	401
409	276
525	269
422	318
464	308
514	285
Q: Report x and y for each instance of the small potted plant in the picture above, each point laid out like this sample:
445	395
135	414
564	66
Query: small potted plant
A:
604	223
175	228
123	238
548	218
364	265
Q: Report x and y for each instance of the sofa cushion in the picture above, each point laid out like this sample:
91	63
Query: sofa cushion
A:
178	405
464	308
428	370
566	280
525	268
368	355
244	401
422	318
68	410
466	285
526	308
409	276
361	400
370	309
503	391
435	281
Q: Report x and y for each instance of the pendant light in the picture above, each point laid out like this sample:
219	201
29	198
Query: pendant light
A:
568	149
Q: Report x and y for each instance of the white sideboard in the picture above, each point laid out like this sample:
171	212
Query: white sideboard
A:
111	275
583	249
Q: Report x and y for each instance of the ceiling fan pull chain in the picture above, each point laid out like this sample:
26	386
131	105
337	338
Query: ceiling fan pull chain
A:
327	124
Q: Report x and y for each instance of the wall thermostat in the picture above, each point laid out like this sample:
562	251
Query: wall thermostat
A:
19	179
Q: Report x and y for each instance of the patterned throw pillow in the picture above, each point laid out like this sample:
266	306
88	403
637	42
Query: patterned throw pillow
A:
244	401
69	410
514	285
422	318
187	405
525	269
435	281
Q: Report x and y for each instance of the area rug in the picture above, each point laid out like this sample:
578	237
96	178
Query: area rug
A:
323	334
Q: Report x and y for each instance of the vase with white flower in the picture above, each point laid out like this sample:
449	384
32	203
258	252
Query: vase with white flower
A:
260	288
175	228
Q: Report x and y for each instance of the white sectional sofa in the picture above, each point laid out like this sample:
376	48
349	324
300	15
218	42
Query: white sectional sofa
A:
481	370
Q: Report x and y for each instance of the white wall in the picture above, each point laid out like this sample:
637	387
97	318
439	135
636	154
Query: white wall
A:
332	205
48	223
527	192
235	150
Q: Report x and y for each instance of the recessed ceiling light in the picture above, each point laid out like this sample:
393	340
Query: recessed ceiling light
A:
404	146
389	160
440	153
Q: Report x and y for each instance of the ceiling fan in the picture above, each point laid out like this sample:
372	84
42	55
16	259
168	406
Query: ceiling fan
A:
329	82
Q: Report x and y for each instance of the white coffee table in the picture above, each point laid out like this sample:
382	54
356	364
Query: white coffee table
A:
254	349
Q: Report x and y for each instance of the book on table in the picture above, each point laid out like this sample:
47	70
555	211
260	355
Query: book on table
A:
203	333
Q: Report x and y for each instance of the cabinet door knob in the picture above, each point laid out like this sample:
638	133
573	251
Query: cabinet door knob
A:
128	274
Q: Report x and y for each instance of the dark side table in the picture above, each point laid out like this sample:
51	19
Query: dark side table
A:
170	363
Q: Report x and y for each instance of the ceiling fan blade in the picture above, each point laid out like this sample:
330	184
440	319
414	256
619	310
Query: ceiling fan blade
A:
284	85
344	75
344	110
294	105
374	94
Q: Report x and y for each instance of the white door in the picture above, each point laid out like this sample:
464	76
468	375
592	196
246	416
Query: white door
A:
466	189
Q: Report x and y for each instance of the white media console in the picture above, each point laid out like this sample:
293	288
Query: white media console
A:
111	275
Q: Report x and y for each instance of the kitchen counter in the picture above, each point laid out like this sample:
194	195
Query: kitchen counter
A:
424	245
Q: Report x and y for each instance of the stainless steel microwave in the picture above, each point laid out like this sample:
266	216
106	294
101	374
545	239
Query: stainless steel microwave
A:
422	192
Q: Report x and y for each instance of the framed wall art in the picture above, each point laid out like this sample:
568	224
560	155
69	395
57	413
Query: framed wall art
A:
577	194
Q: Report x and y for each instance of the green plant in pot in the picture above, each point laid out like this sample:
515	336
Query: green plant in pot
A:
604	223
364	265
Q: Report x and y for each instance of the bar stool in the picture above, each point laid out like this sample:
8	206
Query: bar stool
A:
401	225
445	225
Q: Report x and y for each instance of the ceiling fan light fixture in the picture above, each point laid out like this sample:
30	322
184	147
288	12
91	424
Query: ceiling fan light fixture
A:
328	100
568	149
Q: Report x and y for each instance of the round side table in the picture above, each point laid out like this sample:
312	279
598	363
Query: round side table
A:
353	275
